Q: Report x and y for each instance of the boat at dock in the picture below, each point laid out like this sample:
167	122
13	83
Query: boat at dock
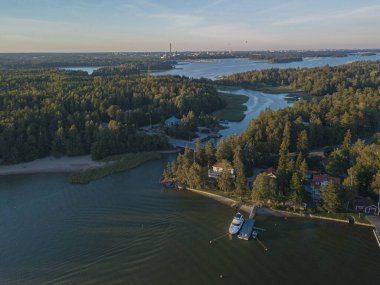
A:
236	224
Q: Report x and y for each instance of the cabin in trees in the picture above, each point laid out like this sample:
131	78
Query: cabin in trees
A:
366	205
172	121
319	181
218	168
270	172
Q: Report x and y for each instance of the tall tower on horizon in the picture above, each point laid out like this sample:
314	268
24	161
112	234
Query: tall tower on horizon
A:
170	48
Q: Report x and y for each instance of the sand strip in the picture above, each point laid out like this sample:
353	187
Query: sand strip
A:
51	165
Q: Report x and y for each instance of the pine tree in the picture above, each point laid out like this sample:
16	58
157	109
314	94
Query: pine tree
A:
296	189
299	160
167	174
199	152
187	155
183	166
210	153
74	142
264	189
195	179
376	187
224	150
58	145
330	197
302	170
224	180
284	159
240	180
346	145
303	143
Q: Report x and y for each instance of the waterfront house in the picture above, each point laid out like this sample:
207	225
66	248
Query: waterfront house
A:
256	171
270	172
366	205
218	168
172	121
319	181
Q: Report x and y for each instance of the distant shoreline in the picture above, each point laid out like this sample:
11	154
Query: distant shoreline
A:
51	165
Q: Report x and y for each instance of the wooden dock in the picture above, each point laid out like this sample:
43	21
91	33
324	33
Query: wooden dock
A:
375	221
253	212
248	226
247	229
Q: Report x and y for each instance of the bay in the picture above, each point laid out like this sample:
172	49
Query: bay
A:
212	69
125	229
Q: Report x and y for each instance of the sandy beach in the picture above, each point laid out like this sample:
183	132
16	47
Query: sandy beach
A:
51	165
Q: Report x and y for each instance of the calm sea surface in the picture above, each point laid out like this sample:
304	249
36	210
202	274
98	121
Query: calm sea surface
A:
125	229
214	68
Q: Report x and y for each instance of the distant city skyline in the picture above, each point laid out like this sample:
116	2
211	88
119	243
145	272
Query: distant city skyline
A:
194	25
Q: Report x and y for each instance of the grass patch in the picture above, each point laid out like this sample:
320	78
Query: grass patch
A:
235	108
115	164
343	216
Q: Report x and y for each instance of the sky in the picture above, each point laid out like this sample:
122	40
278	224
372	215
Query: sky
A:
150	25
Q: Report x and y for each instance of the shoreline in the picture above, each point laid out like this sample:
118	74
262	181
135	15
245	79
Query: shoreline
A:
257	102
264	211
52	164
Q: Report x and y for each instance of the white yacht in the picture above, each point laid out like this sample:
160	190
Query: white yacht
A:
236	224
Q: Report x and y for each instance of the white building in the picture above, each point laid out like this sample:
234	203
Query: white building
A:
217	169
172	121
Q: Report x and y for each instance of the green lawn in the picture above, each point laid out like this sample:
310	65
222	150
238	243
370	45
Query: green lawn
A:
235	108
117	163
343	216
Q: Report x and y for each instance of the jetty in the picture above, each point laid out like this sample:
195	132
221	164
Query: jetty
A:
375	221
248	226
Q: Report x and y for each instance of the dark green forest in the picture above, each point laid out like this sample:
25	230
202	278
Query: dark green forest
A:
291	56
347	109
134	67
55	60
314	81
59	112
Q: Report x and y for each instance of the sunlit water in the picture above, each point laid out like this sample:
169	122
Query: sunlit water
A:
89	69
257	102
125	229
213	68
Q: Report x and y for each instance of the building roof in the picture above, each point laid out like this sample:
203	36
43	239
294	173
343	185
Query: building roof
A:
318	180
363	202
270	170
172	120
220	164
326	178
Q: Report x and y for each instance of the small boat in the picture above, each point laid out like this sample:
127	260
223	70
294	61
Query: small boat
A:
254	234
236	224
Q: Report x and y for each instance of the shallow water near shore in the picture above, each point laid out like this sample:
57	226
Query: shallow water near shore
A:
125	229
257	102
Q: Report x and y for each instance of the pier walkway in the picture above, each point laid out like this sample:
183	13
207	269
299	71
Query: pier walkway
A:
375	220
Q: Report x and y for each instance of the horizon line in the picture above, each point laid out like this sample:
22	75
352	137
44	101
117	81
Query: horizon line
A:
186	51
